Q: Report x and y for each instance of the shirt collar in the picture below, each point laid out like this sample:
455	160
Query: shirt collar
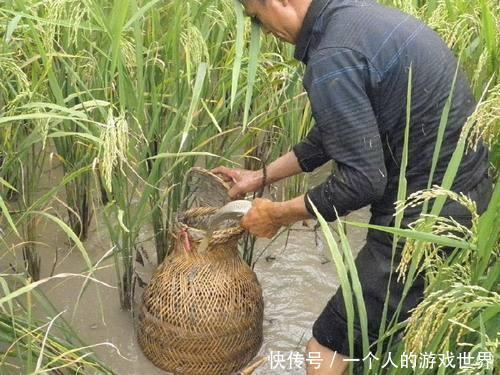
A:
305	34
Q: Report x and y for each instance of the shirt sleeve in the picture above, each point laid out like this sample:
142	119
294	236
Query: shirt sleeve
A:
338	81
309	151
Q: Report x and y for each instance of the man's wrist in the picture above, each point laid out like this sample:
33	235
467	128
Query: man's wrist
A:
289	212
261	178
280	213
258	179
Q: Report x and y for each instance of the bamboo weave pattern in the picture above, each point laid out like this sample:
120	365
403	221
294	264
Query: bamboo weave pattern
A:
202	312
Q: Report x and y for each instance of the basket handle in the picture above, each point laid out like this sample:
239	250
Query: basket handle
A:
232	210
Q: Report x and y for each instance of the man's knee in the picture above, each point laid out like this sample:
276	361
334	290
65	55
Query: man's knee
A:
313	346
330	362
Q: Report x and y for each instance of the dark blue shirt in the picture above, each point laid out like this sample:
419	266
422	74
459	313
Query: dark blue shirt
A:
358	55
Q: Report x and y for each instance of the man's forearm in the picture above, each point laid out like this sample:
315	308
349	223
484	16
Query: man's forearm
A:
283	167
291	211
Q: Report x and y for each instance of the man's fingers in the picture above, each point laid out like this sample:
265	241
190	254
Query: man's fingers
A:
243	222
219	169
227	173
235	193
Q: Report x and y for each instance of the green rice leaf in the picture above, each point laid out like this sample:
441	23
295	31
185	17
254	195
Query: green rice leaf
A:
239	44
252	70
342	273
488	233
11	27
140	13
60	108
87	136
356	287
29	287
439	138
212	117
6	184
489	31
117	17
70	234
42	116
401	196
198	85
6	213
176	155
421	236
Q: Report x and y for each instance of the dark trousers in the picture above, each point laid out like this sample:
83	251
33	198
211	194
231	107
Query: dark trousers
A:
373	264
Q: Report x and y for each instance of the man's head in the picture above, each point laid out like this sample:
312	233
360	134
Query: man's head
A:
282	18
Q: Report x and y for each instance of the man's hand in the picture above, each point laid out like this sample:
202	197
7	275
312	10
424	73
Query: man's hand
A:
243	181
261	220
265	218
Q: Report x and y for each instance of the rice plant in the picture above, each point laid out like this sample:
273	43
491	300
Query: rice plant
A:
155	104
470	28
128	95
32	346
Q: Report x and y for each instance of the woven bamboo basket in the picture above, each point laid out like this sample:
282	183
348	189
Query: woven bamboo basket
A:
202	312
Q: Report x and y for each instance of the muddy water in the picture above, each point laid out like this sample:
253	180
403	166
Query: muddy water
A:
295	271
297	282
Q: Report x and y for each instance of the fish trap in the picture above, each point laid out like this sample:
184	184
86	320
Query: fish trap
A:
202	312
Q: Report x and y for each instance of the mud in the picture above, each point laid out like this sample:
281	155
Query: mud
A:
295	271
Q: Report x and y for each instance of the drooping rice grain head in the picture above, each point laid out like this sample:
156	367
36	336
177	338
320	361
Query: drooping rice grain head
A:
457	32
78	12
218	14
54	11
129	56
87	66
405	6
419	197
12	77
479	70
440	226
67	12
112	154
447	311
485	122
195	47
